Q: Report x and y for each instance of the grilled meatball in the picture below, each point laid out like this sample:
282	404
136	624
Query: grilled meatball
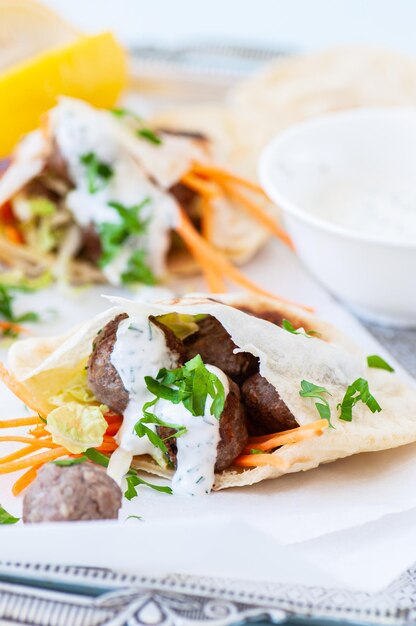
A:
64	494
215	346
266	411
103	378
233	431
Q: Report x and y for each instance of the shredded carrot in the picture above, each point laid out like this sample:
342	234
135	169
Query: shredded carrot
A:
107	447
31	461
12	326
283	440
314	426
223	175
214	260
21	421
13	234
39	443
259	214
24	481
255	460
39	431
207	221
19	454
201	186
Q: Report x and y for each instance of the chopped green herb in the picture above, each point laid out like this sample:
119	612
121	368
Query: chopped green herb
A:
133	481
190	384
98	172
149	135
310	390
70	462
138	270
126	113
255	451
378	363
112	237
6	518
358	391
97	457
286	325
138	517
7	312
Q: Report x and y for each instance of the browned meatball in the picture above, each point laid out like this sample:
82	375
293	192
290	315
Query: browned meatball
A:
266	411
233	432
66	494
103	378
91	248
215	346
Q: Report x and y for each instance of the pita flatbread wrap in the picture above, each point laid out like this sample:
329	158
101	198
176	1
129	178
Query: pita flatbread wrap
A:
40	368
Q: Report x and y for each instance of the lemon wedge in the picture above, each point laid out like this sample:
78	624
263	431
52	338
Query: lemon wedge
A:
55	61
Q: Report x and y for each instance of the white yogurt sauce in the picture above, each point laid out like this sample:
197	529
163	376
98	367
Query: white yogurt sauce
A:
79	129
140	350
380	209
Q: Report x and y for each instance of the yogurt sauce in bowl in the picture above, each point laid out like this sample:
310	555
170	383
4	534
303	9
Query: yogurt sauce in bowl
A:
346	185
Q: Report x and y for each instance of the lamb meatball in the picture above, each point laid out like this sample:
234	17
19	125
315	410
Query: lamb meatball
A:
74	493
233	431
215	346
103	378
266	411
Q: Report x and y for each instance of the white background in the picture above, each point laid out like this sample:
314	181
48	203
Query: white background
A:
296	24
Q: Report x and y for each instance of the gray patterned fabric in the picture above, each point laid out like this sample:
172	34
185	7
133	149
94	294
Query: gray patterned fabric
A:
68	596
400	342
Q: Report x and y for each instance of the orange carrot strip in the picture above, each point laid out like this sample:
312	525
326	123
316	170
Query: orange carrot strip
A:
13	234
256	460
12	326
201	186
113	429
19	454
207	221
39	443
24	481
317	425
215	260
38	431
260	215
284	440
217	172
107	447
31	461
20	421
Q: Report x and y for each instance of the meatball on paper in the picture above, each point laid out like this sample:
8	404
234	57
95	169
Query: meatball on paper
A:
212	393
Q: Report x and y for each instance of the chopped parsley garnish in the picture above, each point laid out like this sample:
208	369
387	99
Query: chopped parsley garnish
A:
132	478
137	270
377	362
190	384
7	313
70	462
7	518
286	325
256	451
98	172
358	391
113	236
149	135
144	131
310	390
133	481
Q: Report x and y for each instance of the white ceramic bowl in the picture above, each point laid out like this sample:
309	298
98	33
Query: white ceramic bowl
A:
328	174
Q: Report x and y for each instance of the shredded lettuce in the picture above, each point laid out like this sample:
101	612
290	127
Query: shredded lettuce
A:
77	427
76	391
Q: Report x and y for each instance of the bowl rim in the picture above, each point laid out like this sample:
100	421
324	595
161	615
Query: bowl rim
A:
287	206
